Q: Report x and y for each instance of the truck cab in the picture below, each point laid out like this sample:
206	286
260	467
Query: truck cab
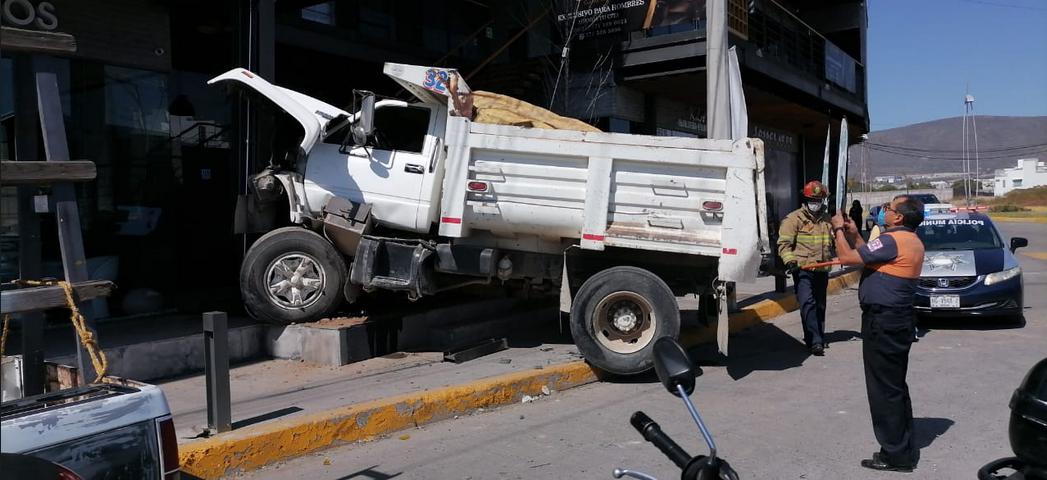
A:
397	171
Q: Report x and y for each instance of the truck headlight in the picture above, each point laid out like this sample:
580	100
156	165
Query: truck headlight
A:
1005	275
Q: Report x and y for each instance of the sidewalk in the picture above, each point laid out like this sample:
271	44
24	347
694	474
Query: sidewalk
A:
282	408
272	389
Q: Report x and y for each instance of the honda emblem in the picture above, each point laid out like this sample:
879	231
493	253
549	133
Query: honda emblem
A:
943	283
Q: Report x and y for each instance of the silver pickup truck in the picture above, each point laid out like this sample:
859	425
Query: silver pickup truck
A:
120	429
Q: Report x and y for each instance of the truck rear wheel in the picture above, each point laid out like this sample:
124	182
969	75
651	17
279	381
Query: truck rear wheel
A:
292	275
617	315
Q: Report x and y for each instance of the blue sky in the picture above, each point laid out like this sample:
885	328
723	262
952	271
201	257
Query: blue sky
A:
922	54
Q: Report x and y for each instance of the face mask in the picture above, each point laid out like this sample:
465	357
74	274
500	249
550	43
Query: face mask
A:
814	207
881	218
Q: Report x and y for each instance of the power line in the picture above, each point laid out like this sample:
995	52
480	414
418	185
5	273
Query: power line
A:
939	156
1013	148
1006	5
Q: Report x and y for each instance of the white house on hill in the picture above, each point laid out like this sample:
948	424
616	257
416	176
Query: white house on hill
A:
1030	172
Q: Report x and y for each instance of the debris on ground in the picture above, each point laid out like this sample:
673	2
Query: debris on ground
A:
544	393
405	436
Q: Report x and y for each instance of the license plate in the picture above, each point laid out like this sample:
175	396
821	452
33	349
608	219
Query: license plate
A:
945	301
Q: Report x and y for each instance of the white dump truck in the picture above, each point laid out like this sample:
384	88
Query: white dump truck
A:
417	197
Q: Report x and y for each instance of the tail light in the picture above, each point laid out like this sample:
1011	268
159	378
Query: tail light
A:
63	473
712	206
478	187
168	448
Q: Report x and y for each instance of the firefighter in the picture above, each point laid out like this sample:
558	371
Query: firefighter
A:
893	262
805	237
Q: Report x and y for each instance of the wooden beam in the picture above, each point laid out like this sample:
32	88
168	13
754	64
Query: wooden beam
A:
33	299
35	41
33	173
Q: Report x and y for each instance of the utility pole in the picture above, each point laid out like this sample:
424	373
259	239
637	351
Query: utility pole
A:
968	112
865	181
717	93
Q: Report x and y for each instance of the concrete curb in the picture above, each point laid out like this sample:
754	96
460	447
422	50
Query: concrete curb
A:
259	445
765	310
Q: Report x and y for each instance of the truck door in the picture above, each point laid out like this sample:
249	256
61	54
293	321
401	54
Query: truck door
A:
387	173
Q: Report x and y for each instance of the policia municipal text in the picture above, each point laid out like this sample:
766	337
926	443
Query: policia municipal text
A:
892	266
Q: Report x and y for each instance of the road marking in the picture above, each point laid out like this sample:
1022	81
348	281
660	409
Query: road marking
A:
1036	255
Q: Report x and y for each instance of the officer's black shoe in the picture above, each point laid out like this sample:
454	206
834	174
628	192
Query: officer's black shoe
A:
878	463
817	350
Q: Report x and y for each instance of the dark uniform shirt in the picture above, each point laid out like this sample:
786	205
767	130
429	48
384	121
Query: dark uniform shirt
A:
893	262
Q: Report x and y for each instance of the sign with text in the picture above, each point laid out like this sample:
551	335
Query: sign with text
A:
582	19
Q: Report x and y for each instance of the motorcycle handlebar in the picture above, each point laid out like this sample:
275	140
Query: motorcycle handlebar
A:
653	433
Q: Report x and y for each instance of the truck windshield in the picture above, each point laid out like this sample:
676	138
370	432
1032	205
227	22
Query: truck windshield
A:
958	234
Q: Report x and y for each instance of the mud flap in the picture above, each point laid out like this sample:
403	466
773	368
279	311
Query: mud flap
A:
723	326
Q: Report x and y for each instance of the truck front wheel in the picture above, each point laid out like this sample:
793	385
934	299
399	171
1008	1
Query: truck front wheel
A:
617	315
292	275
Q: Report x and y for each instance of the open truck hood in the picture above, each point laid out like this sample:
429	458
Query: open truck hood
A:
311	113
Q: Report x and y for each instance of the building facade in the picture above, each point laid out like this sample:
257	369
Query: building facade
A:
174	156
1030	172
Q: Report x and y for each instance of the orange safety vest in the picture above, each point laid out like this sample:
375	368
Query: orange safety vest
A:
909	262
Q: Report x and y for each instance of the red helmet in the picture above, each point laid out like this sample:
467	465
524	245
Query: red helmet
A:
815	189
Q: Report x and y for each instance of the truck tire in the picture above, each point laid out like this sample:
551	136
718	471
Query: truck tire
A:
617	315
292	275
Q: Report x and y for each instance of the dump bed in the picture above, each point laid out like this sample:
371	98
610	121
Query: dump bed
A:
669	194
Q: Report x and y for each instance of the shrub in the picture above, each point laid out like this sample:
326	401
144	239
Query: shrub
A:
1007	208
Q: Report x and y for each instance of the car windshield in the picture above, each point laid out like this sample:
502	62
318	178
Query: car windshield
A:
926	198
958	234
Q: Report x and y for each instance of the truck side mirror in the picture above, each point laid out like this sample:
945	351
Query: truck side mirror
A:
1018	242
363	128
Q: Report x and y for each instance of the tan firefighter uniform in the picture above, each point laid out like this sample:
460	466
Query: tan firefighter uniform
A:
806	238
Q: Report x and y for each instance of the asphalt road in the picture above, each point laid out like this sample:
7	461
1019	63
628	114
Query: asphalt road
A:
775	412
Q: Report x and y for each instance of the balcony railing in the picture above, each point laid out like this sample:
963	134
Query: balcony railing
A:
779	35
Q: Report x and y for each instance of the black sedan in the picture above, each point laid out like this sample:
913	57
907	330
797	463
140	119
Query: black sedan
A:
968	270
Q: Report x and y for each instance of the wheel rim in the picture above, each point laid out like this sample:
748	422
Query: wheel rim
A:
295	281
624	322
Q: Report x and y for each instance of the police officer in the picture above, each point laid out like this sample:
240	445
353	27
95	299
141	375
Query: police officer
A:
805	238
892	266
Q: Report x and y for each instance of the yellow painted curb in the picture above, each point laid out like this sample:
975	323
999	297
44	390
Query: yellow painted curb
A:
1036	255
252	447
764	310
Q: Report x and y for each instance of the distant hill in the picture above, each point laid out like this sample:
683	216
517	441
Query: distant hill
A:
936	146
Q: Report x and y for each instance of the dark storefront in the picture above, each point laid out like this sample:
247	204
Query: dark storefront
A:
135	101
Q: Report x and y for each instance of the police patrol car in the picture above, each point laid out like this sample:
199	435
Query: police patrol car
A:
967	268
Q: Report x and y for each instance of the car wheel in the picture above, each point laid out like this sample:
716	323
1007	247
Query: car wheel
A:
292	275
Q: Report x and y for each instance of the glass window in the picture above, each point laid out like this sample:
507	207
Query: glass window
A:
320	13
1017	182
395	128
136	99
958	234
127	452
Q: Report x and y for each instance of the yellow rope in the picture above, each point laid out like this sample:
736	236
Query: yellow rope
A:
87	337
3	338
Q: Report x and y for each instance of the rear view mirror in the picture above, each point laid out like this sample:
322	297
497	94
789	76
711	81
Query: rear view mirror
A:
363	128
673	366
1019	242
